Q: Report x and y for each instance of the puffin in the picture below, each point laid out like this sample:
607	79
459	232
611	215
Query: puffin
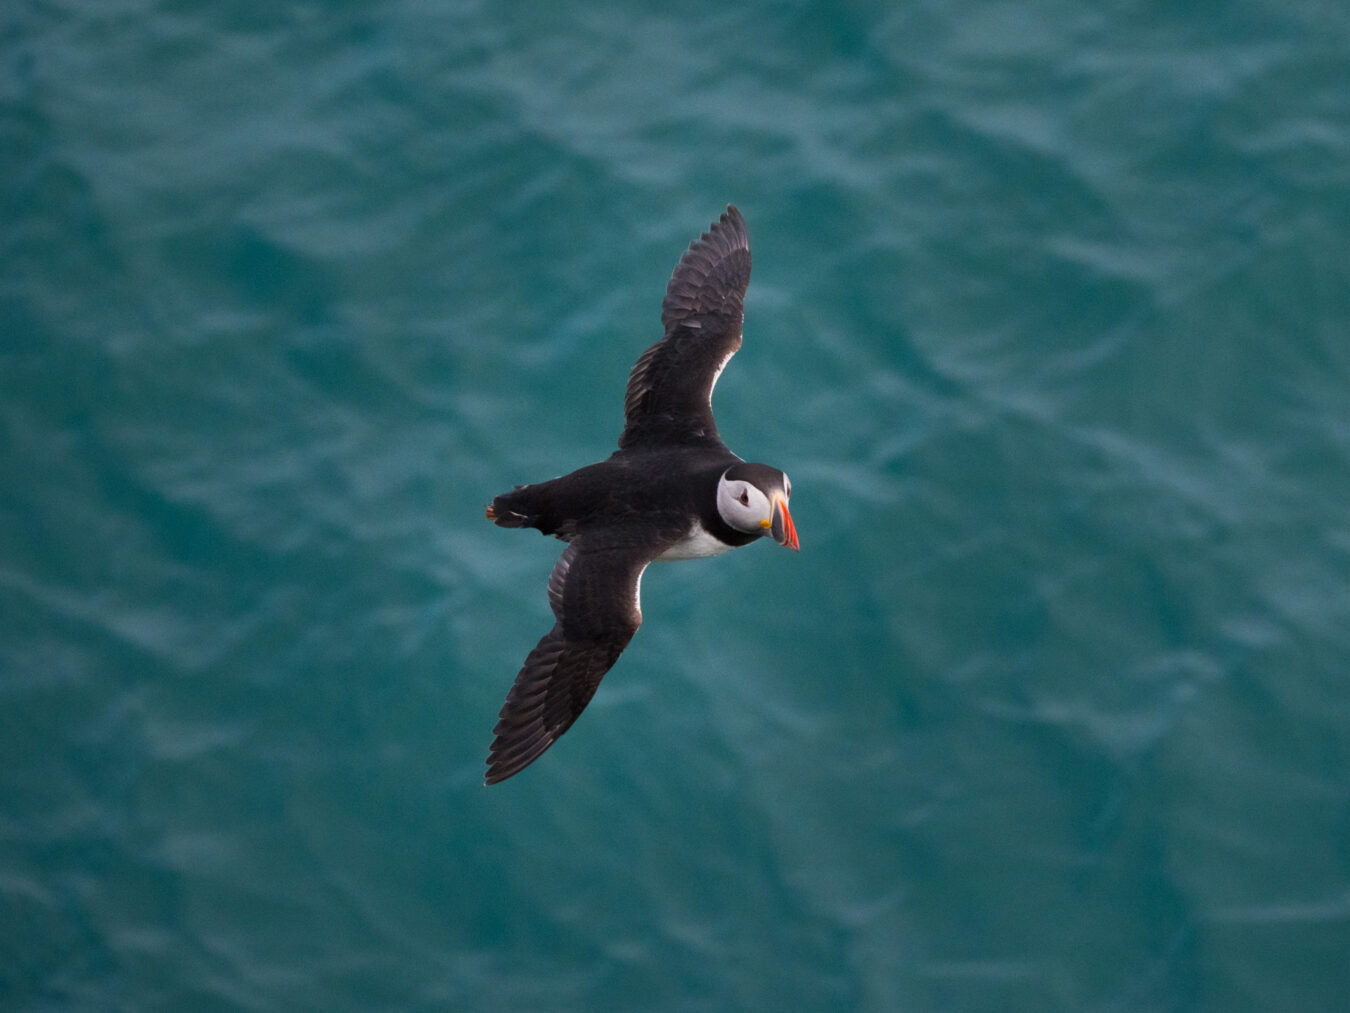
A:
671	491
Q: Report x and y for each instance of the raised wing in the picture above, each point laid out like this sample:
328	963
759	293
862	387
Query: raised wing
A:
669	398
594	592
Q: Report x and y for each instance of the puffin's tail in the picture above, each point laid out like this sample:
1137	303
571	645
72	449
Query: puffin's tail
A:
506	518
506	510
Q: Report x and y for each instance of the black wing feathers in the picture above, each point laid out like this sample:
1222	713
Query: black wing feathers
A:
712	276
593	592
670	388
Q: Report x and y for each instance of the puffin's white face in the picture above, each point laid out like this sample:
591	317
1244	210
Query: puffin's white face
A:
747	508
743	506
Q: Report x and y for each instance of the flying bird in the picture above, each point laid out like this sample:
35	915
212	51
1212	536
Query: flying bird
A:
671	491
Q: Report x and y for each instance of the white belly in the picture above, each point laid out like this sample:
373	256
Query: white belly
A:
695	545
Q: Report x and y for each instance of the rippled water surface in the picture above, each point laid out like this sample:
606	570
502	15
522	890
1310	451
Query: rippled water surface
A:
1048	323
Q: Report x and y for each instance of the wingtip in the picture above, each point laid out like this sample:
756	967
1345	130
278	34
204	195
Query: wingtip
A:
508	759
733	220
497	771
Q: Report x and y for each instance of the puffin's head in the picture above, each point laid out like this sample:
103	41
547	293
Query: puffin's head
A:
753	498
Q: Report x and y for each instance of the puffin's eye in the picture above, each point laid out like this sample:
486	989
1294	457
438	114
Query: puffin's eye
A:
745	498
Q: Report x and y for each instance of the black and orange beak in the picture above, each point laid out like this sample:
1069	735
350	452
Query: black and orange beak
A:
781	527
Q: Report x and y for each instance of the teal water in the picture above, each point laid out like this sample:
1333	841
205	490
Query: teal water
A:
1048	323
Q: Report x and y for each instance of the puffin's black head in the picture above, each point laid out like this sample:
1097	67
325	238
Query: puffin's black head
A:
753	498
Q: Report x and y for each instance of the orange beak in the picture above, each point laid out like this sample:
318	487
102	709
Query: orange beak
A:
781	527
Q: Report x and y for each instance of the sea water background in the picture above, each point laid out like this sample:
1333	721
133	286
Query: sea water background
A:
1049	323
